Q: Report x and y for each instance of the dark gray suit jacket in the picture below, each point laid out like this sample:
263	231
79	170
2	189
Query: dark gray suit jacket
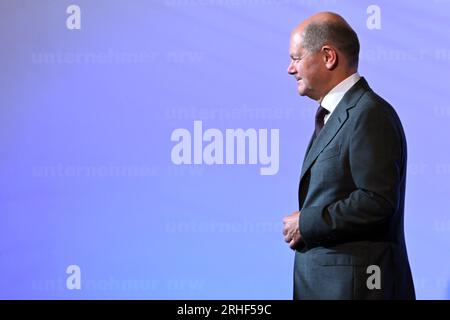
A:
351	198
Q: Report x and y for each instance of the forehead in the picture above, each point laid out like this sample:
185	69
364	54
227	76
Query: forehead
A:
295	43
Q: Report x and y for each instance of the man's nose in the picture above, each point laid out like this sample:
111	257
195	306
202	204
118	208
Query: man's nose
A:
291	69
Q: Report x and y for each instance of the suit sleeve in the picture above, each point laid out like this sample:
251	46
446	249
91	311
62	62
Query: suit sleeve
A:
376	156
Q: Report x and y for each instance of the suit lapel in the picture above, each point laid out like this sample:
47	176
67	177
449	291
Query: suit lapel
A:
334	124
309	146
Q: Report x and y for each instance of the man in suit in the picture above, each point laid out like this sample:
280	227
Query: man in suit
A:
348	233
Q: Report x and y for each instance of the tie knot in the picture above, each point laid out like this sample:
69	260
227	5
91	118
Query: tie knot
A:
320	114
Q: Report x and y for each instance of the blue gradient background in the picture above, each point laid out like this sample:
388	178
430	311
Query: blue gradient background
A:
148	229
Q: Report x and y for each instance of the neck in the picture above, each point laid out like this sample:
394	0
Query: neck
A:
334	81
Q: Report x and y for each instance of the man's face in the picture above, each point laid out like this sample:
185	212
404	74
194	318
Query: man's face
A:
306	67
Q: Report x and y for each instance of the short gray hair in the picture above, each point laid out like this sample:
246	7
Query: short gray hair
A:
337	34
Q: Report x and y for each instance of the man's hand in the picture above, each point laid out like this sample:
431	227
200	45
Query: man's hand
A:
291	229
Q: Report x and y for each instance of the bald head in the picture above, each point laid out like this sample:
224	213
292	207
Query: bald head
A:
329	28
324	51
322	17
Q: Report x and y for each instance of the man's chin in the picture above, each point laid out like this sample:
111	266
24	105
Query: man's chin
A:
301	89
305	93
301	92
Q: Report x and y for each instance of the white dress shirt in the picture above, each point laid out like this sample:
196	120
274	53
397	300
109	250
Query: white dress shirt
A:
332	98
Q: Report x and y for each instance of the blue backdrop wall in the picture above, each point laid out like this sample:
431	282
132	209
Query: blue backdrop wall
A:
96	95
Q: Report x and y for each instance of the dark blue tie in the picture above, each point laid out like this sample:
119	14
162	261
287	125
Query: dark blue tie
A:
320	119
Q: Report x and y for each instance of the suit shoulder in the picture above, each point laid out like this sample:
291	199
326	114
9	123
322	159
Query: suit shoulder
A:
374	114
373	106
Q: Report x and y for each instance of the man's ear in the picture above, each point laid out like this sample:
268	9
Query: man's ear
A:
330	57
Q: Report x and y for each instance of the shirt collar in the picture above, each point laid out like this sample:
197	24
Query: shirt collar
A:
335	95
